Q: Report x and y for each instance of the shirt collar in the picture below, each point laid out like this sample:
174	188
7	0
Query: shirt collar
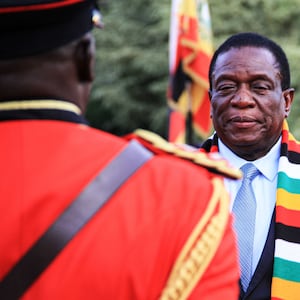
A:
267	165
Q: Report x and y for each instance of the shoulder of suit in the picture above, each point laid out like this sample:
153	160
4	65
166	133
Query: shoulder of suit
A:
211	161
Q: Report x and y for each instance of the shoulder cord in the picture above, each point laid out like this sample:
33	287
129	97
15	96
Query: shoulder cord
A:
69	223
200	247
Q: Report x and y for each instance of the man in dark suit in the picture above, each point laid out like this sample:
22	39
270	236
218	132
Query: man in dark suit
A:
251	98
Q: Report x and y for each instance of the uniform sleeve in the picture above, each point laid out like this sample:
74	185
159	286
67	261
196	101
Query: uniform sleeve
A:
220	280
206	267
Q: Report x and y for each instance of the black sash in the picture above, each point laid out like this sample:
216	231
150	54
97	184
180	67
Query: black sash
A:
68	224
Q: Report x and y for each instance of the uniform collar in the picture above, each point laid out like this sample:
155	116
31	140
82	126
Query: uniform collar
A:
45	109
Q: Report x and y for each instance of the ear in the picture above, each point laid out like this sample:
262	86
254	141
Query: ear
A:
288	96
85	58
209	96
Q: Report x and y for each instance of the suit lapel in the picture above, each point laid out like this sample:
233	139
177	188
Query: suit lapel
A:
265	263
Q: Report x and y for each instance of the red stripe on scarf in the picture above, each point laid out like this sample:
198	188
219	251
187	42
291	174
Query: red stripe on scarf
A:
287	217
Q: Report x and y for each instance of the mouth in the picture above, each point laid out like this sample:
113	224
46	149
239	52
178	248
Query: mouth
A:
243	121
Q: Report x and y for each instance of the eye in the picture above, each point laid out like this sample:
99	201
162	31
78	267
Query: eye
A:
260	88
225	88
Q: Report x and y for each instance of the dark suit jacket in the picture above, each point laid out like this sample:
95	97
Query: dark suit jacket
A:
260	284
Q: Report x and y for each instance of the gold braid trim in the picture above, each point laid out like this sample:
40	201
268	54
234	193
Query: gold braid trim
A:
200	247
218	165
40	104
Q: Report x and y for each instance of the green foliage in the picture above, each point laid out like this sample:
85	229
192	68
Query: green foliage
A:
132	57
132	68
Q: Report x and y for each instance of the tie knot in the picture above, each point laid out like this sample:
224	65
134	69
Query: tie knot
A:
250	171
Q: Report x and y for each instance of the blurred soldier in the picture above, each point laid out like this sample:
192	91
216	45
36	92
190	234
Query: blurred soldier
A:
85	214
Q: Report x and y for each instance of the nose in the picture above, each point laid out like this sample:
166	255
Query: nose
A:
243	98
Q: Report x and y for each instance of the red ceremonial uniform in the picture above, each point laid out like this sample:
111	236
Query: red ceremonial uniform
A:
128	248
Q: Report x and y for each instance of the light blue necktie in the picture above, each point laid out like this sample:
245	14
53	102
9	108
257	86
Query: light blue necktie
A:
244	209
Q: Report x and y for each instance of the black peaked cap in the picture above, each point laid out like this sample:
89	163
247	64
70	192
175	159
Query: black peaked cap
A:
29	27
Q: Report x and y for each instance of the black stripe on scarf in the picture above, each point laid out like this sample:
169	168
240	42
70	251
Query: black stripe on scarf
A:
287	233
293	157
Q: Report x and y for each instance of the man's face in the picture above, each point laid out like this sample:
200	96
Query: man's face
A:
248	105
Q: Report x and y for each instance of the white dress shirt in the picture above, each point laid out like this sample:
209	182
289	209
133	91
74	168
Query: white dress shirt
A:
264	186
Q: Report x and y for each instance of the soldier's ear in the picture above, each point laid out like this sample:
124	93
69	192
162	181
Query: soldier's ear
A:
85	58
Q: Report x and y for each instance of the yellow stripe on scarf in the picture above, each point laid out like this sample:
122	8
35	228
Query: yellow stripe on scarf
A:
283	289
288	200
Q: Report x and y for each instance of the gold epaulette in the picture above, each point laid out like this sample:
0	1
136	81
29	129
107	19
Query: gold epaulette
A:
200	247
213	162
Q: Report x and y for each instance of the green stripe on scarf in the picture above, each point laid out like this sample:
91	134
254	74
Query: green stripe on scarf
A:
287	270
291	185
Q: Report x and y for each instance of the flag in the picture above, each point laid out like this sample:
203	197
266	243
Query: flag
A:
190	52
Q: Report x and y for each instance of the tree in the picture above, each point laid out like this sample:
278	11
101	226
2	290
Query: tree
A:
132	65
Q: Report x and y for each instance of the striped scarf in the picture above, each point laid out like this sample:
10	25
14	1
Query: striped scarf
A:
286	274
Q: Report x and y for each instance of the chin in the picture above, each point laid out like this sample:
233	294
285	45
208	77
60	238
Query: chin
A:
242	141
